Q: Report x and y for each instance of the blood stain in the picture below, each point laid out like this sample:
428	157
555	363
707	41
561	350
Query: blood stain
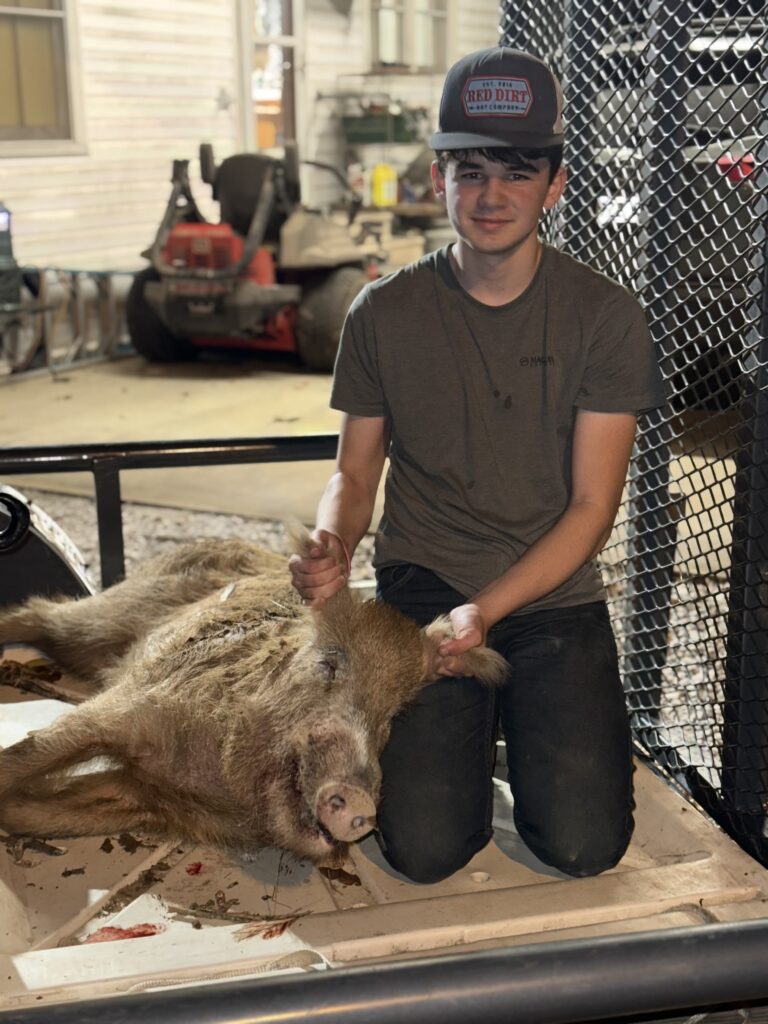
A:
136	931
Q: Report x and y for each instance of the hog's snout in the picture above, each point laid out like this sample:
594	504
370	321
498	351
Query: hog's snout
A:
346	811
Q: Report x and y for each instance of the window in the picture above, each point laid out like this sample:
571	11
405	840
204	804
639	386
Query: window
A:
272	79
34	82
409	35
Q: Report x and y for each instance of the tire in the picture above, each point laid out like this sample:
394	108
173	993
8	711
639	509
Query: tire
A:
322	313
149	335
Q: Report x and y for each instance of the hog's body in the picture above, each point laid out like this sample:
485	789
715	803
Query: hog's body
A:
227	713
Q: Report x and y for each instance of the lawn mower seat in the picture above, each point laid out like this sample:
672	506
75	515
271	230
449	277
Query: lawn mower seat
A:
237	185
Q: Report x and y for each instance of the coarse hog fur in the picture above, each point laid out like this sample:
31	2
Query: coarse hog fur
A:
225	713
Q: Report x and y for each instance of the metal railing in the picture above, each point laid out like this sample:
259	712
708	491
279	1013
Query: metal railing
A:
106	461
697	969
667	150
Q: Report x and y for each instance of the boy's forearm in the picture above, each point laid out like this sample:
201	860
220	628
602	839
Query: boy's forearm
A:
576	538
346	509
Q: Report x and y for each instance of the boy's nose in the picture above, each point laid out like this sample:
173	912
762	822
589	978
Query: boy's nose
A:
493	193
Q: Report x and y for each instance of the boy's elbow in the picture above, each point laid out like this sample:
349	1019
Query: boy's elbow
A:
601	541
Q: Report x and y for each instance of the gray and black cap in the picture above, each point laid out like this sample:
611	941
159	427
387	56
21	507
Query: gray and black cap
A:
499	97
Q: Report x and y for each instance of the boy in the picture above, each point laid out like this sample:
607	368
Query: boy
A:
503	380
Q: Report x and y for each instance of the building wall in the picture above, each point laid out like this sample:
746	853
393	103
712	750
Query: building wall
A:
336	61
156	80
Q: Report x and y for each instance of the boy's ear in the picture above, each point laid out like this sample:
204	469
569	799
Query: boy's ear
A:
556	188
438	181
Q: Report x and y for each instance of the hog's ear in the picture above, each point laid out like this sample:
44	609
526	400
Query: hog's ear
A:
333	617
481	662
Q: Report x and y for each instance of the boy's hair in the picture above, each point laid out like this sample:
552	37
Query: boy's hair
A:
514	157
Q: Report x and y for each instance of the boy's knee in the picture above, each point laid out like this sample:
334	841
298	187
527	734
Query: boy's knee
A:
581	856
585	862
422	871
429	863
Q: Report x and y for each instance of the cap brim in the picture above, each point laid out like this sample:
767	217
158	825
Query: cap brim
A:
468	140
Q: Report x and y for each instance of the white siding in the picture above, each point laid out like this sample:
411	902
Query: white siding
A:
477	26
337	59
152	75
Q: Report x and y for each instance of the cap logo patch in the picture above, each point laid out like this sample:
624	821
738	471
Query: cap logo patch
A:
497	97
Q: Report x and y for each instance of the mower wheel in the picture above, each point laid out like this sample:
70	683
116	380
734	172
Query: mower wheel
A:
322	313
149	335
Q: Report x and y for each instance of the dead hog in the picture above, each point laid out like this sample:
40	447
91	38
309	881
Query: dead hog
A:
227	714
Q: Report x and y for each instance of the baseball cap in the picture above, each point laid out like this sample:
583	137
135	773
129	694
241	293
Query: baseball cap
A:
499	97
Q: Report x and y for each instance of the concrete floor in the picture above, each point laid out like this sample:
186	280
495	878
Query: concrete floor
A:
131	400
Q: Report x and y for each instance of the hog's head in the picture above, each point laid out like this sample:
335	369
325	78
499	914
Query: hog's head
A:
364	663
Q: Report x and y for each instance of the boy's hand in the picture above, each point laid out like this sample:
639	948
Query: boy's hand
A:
469	630
323	570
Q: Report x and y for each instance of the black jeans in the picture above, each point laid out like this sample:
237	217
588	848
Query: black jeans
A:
568	743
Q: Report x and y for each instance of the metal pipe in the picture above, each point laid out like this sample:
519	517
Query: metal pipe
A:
156	454
554	983
109	514
105	461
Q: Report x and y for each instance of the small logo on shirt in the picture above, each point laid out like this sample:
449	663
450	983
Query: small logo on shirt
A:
537	360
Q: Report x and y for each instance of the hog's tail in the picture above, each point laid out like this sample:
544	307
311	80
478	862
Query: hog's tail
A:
486	665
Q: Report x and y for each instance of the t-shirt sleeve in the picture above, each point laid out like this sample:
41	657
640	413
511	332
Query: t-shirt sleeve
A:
622	372
356	381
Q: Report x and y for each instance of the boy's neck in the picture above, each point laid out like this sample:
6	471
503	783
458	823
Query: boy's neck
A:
496	279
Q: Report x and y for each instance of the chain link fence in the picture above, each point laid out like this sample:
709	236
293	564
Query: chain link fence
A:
667	152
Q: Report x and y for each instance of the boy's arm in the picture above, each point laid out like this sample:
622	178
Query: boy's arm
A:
602	445
345	509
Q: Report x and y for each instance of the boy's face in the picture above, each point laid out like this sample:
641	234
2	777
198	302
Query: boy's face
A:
493	208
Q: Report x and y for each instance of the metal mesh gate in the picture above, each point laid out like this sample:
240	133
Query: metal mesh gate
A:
667	152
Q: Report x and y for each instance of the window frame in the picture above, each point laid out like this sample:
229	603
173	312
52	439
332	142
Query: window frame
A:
293	14
75	144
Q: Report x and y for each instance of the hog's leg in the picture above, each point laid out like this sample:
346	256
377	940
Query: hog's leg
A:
79	635
94	804
90	730
82	636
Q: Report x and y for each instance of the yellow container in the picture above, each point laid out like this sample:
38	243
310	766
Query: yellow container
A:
384	185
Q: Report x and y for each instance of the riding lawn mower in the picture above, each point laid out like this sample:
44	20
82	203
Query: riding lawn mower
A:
272	275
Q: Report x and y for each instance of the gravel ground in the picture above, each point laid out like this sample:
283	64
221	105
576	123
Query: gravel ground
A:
149	530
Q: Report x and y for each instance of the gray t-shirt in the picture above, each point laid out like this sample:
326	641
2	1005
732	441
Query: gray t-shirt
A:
481	402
